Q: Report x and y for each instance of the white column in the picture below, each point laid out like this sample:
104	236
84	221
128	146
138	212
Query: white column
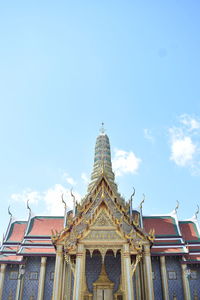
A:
2	277
67	284
164	278
186	287
138	283
20	283
78	273
42	278
128	278
148	273
57	284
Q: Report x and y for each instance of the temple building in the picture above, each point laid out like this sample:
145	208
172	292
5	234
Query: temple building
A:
103	249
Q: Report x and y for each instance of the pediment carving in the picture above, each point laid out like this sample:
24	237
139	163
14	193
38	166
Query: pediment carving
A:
103	220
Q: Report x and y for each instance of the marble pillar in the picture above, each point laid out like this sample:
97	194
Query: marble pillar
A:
128	278
149	292
42	278
186	286
78	273
2	277
164	279
57	284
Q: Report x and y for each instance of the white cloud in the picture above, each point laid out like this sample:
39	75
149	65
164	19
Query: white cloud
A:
182	151
190	122
51	198
28	194
69	179
148	135
185	143
85	178
125	162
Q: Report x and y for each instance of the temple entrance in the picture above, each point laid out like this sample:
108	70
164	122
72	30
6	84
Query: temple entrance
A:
103	287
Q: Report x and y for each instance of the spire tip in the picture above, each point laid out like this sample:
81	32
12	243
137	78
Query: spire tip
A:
102	129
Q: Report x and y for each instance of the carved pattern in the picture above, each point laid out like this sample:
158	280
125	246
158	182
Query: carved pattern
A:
102	235
103	220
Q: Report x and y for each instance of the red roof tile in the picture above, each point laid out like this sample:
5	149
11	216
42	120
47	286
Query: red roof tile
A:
16	232
37	250
42	226
11	258
189	231
37	241
165	241
164	226
169	250
192	258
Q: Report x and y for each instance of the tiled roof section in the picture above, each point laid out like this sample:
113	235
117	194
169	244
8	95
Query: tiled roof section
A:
168	250
37	250
192	258
10	258
189	231
163	225
42	226
9	248
37	242
165	241
16	232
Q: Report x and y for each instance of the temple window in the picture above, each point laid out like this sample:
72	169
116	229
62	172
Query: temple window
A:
172	275
193	274
33	275
51	275
13	275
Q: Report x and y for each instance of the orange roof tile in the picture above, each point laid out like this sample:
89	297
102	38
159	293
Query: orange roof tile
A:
37	241
37	250
42	226
164	226
192	258
11	258
189	231
169	250
16	232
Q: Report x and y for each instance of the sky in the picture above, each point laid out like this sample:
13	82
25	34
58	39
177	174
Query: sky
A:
67	66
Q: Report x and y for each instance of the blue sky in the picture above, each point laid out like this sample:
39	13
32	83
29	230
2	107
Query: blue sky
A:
65	67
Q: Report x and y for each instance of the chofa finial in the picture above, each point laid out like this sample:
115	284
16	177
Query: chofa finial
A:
177	206
28	207
142	201
197	212
9	212
63	201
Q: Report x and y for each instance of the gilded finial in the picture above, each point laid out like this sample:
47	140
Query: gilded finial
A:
177	206
197	212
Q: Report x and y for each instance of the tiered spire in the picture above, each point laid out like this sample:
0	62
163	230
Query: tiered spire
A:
102	160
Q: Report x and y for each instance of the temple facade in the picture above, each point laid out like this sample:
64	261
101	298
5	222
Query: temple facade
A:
103	249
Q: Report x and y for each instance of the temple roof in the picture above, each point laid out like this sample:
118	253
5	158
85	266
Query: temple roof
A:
163	225
41	226
33	237
16	231
189	230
